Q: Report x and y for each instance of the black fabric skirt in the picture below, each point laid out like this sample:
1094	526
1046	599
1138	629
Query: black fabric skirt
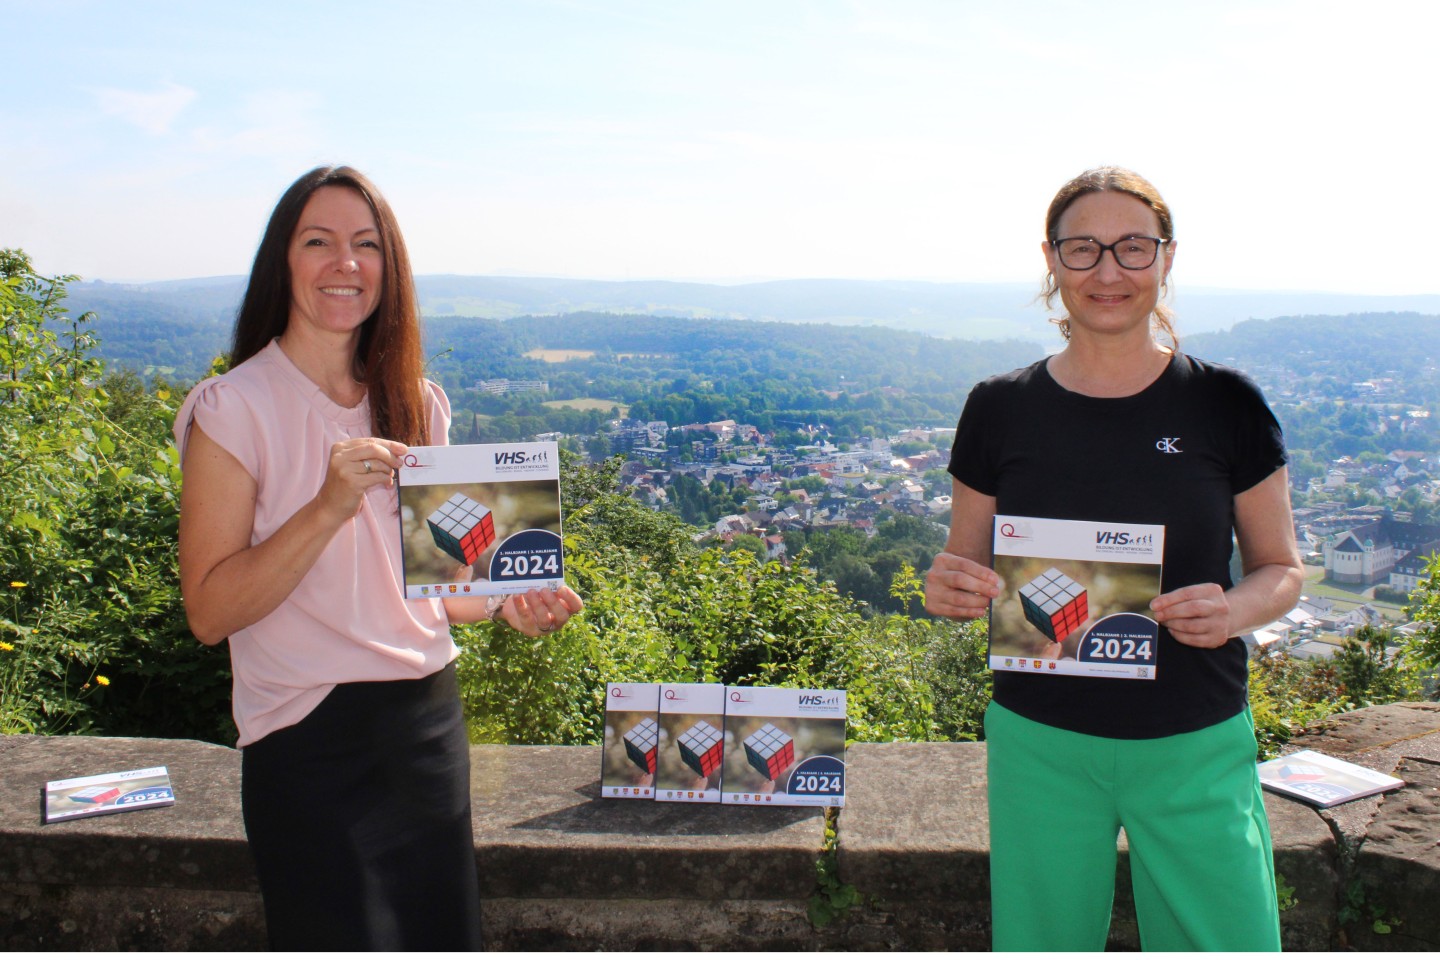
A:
358	818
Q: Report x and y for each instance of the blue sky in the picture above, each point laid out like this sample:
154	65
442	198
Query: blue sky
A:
902	139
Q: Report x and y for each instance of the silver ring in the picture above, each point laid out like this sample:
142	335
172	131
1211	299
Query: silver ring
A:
367	465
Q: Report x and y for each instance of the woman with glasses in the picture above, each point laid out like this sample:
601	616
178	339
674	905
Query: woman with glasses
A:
1121	427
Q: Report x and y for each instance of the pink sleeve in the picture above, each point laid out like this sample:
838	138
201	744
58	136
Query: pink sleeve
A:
439	410
224	414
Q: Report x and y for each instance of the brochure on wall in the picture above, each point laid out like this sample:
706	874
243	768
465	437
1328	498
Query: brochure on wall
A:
784	747
480	518
691	743
107	793
1323	780
629	750
1075	597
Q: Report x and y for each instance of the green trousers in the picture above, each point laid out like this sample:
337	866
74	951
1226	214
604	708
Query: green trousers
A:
1190	804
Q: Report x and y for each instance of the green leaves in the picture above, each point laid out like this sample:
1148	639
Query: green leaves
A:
832	898
1357	907
1423	649
88	516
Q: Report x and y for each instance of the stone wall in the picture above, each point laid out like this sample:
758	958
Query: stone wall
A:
563	869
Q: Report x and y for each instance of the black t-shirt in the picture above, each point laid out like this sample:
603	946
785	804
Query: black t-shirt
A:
1176	454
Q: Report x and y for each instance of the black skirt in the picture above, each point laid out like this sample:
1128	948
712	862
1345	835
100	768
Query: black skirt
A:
358	818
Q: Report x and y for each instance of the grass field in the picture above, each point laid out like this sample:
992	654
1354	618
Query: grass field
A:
1315	586
559	356
589	403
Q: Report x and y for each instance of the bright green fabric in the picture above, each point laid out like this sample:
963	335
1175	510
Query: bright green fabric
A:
1200	855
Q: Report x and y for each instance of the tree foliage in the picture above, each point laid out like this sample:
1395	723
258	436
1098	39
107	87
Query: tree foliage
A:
92	625
1423	649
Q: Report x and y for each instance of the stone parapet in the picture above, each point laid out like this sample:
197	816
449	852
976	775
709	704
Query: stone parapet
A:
562	868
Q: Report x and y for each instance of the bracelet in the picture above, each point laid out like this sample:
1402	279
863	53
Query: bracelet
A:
494	606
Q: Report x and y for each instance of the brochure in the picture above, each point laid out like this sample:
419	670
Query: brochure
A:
107	793
1323	780
1075	597
480	519
691	745
629	751
784	747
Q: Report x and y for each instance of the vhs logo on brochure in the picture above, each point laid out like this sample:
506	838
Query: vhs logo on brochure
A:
520	457
818	704
522	461
1121	538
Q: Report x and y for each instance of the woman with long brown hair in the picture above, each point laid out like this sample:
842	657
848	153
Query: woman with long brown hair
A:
355	758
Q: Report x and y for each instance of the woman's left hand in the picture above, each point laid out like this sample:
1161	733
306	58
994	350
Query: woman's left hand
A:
1198	615
538	612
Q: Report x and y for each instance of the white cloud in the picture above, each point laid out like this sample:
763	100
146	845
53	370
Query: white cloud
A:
281	125
152	112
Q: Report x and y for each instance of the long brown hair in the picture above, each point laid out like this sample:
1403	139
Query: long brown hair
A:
388	358
1114	180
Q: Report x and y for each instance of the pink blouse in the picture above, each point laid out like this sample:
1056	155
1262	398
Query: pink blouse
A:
347	619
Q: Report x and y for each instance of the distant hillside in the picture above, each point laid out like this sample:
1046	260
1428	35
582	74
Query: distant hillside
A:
682	353
172	328
970	310
1405	346
172	324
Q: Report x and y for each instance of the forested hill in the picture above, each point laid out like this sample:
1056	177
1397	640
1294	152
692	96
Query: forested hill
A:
823	355
1401	346
638	356
175	329
684	371
169	324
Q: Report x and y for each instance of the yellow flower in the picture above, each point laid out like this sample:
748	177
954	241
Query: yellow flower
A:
16	584
103	681
7	647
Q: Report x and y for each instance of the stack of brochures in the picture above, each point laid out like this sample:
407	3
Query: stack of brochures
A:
711	743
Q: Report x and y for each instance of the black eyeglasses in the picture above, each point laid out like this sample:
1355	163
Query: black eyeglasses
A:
1132	253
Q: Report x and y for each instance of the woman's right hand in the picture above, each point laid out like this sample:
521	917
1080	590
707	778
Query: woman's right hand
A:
228	581
959	588
355	466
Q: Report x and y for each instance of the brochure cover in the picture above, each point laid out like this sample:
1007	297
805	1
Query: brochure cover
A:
480	518
1075	597
691	744
632	738
1323	780
784	747
107	793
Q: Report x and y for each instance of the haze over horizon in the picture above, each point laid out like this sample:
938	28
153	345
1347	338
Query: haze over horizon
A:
635	139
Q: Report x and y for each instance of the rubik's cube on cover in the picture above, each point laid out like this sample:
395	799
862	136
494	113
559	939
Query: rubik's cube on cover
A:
770	750
701	747
462	528
1301	772
640	744
95	795
1055	604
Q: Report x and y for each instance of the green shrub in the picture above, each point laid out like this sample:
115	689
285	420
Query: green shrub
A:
93	625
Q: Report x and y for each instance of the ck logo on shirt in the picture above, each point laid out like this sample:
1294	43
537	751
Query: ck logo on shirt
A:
1168	445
